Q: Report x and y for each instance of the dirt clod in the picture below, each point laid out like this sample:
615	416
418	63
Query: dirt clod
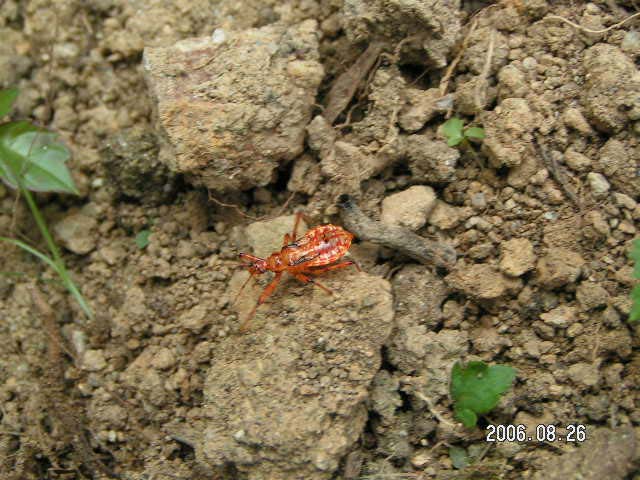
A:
409	208
517	257
247	121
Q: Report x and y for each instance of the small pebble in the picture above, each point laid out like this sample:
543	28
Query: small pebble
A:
598	183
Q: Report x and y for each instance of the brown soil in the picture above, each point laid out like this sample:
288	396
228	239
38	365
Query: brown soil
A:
160	385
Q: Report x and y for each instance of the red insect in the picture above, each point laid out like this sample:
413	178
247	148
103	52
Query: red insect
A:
310	254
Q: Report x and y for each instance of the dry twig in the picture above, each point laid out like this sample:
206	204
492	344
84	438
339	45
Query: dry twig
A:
557	173
398	238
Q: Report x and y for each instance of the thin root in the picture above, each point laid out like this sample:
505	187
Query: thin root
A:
588	30
239	210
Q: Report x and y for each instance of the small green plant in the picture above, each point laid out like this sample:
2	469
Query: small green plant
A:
459	457
634	315
142	239
476	389
457	133
33	159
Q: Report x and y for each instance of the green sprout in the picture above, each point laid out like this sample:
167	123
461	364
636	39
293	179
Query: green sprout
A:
476	389
33	159
634	315
142	239
457	133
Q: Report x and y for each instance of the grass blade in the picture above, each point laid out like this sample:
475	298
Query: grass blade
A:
59	269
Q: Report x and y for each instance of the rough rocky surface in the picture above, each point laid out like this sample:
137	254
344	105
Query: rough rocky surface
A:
421	106
559	267
230	127
305	371
619	164
133	168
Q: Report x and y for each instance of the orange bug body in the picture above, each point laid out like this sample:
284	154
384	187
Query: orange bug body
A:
310	254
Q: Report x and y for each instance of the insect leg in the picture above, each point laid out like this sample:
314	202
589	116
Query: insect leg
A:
347	263
263	297
303	278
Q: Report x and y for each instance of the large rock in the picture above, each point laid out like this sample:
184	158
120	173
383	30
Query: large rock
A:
233	107
558	268
517	257
77	233
286	399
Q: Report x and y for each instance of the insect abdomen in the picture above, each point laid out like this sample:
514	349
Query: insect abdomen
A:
319	246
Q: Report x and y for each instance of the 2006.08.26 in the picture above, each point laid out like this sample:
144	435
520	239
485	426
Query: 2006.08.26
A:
543	433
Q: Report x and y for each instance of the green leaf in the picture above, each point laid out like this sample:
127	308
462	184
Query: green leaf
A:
452	129
474	132
635	256
476	388
7	97
142	238
466	416
634	315
459	457
34	158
